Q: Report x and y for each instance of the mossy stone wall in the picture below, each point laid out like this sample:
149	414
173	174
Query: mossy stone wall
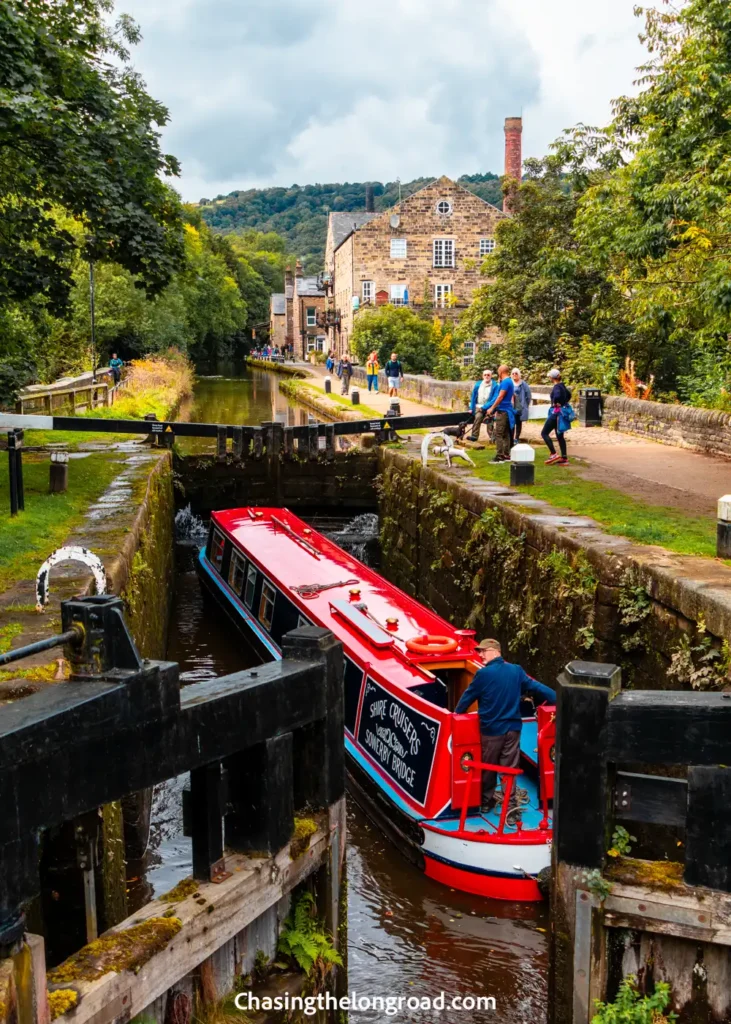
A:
485	564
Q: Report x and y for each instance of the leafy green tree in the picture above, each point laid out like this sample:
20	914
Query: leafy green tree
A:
78	132
656	217
541	287
395	329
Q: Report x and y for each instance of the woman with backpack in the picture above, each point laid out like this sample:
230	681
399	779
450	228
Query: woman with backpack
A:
559	419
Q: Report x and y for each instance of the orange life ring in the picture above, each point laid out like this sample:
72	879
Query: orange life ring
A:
429	644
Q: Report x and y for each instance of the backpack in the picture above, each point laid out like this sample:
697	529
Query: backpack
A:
565	418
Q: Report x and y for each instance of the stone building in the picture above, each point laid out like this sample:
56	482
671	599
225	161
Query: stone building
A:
428	248
298	315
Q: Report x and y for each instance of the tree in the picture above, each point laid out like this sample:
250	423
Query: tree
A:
78	135
656	217
394	329
541	286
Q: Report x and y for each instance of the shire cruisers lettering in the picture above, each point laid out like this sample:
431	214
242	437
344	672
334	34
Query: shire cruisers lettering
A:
412	764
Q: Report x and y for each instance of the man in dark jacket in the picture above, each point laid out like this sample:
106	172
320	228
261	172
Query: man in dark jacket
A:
498	688
345	372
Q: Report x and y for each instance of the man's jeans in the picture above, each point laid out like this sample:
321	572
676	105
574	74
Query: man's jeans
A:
503	750
503	435
489	421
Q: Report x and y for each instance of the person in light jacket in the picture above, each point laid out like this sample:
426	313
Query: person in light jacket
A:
484	394
522	399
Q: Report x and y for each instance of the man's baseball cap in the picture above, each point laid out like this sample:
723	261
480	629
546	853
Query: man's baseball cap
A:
489	645
554	374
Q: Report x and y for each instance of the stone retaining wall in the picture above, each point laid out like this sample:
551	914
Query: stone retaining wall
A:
443	394
553	587
703	430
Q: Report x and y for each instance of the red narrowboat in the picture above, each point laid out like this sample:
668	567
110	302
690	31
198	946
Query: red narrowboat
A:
412	764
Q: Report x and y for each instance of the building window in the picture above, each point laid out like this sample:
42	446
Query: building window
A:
250	584
487	245
468	353
368	291
217	545
441	293
398	248
311	316
316	343
444	207
443	252
266	605
398	294
236	572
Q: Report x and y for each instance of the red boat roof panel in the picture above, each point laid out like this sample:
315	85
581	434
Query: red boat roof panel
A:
279	542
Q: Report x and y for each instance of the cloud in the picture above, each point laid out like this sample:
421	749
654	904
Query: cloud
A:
277	91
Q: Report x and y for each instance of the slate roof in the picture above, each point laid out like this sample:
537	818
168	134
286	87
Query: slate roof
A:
309	286
278	303
344	224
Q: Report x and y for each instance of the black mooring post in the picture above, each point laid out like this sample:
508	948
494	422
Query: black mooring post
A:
582	774
15	471
206	819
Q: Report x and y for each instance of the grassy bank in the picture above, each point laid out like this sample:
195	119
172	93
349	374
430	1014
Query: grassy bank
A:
156	385
27	539
308	394
618	513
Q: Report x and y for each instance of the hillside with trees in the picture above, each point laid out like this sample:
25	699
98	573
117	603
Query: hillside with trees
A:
299	213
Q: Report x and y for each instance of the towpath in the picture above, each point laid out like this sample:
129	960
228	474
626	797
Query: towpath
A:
655	473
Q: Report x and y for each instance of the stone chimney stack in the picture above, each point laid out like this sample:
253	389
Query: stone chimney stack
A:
513	151
289	305
298	271
370	203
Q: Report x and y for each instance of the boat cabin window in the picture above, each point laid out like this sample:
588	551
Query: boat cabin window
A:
450	681
266	605
250	584
236	572
217	545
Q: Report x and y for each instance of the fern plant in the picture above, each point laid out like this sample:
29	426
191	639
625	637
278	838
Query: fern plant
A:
303	940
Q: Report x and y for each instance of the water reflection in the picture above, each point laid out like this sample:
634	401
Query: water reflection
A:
242	396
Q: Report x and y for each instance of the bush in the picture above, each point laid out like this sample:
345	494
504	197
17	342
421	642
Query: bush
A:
590	363
394	329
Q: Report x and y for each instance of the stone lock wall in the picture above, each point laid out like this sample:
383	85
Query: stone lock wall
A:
704	430
550	591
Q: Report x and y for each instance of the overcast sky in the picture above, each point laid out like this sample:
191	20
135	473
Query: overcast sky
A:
276	92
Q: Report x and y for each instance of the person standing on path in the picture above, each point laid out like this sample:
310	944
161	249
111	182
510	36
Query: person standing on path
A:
560	396
115	365
394	375
498	687
345	372
521	401
502	407
484	394
372	369
329	362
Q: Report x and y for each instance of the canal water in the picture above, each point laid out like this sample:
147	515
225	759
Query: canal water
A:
239	394
407	936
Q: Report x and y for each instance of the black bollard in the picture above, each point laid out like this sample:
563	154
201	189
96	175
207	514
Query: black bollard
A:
59	476
522	466
15	468
328	385
723	528
355	396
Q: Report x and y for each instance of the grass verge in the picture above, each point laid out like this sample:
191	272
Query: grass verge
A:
28	538
618	513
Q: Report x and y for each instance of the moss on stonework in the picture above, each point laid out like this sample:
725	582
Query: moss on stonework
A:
304	830
656	874
40	674
187	887
126	950
61	1001
113	867
149	585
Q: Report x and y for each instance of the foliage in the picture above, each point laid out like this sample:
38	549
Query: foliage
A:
596	883
634	607
448	350
156	385
631	385
78	133
701	665
621	840
303	940
299	213
632	1008
398	329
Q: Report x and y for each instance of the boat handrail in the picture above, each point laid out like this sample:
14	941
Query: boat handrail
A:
500	769
310	548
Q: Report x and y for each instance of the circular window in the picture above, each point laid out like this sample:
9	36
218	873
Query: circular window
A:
444	207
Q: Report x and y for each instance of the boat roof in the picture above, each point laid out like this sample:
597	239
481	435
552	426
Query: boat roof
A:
293	555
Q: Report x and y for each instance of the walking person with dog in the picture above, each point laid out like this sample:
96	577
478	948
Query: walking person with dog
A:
558	420
484	393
